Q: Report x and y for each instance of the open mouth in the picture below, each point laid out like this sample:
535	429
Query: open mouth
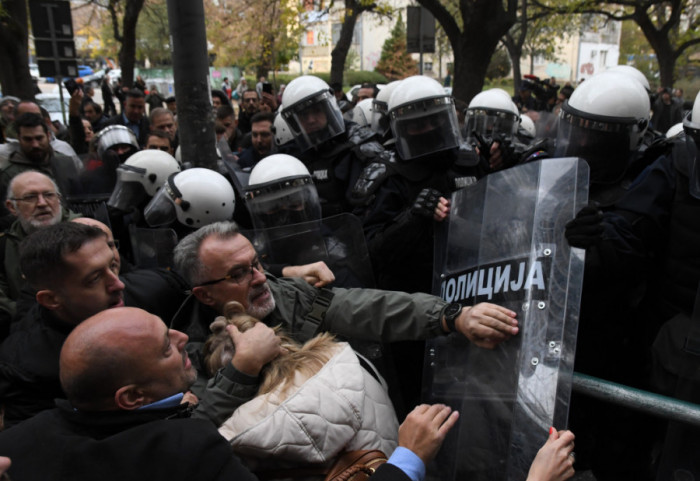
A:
117	303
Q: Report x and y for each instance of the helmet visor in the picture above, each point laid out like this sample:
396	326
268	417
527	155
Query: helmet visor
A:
490	124
161	210
605	150
289	201
128	191
314	120
425	127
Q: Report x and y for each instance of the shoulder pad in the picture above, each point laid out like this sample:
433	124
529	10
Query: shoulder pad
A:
358	135
369	151
371	178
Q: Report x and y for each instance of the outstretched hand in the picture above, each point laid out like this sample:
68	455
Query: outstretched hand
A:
254	348
317	274
554	460
487	325
425	428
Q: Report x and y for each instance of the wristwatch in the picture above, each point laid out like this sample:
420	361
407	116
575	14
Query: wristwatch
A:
450	313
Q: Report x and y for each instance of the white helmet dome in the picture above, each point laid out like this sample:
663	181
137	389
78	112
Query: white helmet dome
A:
632	73
154	168
527	124
194	197
277	167
691	127
362	113
494	99
418	87
423	118
311	112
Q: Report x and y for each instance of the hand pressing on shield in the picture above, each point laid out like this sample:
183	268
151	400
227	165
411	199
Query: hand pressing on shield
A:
484	324
425	428
554	460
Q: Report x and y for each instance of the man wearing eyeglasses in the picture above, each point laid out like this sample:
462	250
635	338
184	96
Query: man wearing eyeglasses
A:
221	265
35	201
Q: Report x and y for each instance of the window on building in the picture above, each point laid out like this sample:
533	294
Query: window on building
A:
310	37
427	66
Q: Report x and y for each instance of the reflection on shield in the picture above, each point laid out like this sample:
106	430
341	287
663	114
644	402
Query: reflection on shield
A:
336	240
152	247
505	244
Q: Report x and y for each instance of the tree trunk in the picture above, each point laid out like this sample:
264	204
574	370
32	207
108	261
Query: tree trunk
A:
485	22
14	45
127	51
341	49
515	52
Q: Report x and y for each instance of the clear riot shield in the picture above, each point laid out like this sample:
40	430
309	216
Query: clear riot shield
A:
504	243
152	247
336	240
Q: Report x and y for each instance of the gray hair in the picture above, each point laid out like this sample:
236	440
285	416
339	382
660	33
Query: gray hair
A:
186	254
11	186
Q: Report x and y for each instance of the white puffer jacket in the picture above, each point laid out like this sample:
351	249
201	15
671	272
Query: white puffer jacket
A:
341	408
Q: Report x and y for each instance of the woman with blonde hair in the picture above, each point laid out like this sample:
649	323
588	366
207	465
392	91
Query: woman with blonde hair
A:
315	401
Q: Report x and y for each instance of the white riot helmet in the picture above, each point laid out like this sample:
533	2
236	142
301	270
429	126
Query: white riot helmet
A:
140	177
194	197
491	114
423	118
281	192
311	112
602	122
527	127
362	113
691	127
380	108
283	133
114	136
632	73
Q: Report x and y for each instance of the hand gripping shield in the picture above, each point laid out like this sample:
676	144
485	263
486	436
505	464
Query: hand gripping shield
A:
504	243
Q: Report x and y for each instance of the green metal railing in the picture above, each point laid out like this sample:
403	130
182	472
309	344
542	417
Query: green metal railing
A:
637	399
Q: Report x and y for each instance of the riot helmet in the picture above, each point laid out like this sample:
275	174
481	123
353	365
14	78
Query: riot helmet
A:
281	192
603	122
493	115
117	138
631	72
311	112
194	197
691	127
362	113
380	108
527	128
674	131
423	118
140	177
283	133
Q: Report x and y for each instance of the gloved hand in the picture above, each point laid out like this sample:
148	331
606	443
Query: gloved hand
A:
425	203
587	227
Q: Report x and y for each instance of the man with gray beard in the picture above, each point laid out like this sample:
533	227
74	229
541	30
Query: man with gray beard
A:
34	199
221	265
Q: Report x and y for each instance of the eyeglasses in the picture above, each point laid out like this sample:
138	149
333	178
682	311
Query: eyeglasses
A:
34	198
238	275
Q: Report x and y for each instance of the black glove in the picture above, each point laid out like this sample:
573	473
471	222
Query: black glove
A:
587	227
425	203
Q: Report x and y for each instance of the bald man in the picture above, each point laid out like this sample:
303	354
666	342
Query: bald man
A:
124	373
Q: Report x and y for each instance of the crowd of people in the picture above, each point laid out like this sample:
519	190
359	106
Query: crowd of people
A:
265	318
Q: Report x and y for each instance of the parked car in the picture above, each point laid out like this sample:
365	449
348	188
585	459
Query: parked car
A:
94	79
52	103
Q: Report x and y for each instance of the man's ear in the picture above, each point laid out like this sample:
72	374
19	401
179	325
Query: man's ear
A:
49	299
203	296
11	207
129	397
